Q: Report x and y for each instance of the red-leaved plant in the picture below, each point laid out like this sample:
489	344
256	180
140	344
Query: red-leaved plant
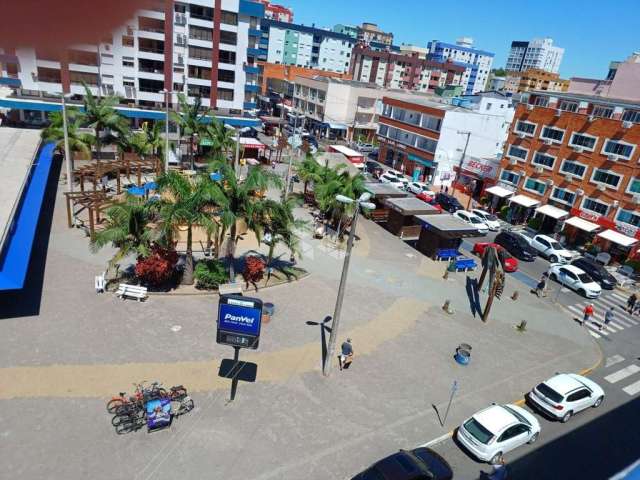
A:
253	270
158	268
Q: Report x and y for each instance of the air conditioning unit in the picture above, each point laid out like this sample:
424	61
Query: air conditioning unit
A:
549	182
568	178
529	106
577	149
547	141
182	39
521	135
130	92
616	203
636	199
602	187
522	173
613	158
626	124
513	161
558	112
180	60
539	170
591	118
180	19
579	192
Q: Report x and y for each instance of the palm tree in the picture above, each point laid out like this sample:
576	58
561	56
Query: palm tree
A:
242	202
336	182
309	171
127	229
221	136
100	114
78	142
190	205
155	137
281	225
192	121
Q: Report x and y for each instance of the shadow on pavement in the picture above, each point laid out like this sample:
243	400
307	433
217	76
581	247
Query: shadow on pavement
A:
474	296
323	335
26	302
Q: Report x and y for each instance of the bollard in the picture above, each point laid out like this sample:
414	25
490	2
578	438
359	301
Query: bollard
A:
446	273
514	297
522	327
447	307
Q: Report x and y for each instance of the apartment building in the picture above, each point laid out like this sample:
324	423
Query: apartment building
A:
427	136
272	74
539	54
370	32
476	63
408	49
182	46
279	13
622	81
394	70
291	44
350	30
573	158
534	79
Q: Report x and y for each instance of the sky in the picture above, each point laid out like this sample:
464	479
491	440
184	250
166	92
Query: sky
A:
592	33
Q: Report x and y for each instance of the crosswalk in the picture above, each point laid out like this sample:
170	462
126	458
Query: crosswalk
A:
621	321
622	376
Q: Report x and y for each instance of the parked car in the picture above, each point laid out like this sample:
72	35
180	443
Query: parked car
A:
564	395
365	147
310	139
489	218
419	187
248	132
575	279
596	271
496	430
396	173
516	245
392	180
419	463
374	168
425	197
473	220
448	202
509	263
549	248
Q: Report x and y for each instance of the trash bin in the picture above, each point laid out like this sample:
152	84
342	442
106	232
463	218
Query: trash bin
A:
463	355
268	309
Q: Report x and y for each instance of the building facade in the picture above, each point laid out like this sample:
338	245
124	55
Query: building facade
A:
393	70
430	135
291	44
350	30
476	63
539	54
534	79
279	13
407	49
622	82
179	46
579	154
370	32
272	72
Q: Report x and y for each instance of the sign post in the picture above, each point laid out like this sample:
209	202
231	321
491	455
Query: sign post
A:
454	389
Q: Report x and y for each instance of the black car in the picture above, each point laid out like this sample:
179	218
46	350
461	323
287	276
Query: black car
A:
249	132
448	202
516	246
596	271
418	464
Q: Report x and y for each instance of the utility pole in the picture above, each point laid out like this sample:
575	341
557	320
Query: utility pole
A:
464	153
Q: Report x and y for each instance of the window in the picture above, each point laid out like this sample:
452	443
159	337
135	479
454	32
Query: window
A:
431	123
600	111
383	130
543	160
426	144
198	91
203	73
201	33
634	186
225	94
127	62
563	196
616	147
230	38
534	185
631	116
227	57
518	152
230	18
579	395
595	206
510	177
626	216
553	134
200	53
573	168
226	76
527	128
127	41
202	13
607	177
585	141
568	106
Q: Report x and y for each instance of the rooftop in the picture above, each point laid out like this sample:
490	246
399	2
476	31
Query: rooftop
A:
410	206
587	98
384	190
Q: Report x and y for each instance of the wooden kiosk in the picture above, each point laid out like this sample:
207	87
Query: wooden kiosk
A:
380	193
442	232
402	216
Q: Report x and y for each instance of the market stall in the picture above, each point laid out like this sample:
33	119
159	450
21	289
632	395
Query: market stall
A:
380	193
521	209
550	217
402	212
498	197
442	232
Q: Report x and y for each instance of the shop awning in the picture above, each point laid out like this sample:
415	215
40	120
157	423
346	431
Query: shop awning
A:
499	191
420	160
582	224
617	237
335	126
551	211
525	201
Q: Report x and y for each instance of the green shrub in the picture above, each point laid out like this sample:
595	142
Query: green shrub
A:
209	274
503	212
535	223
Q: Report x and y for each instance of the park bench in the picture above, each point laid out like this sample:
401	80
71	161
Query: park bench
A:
99	283
465	264
132	291
446	253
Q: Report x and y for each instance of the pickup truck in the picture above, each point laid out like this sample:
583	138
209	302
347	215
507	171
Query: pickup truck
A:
548	248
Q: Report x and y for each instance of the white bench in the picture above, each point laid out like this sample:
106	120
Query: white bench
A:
133	291
99	283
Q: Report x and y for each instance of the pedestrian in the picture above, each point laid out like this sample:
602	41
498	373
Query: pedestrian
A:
588	312
446	190
608	316
631	302
346	355
499	470
541	288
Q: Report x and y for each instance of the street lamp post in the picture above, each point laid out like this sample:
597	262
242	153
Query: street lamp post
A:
363	202
67	152
166	129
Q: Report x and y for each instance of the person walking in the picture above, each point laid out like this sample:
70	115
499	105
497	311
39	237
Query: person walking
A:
346	355
588	312
499	470
541	288
608	316
631	302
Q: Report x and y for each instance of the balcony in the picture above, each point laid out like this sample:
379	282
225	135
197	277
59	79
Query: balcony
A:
255	52
11	82
254	32
249	105
251	69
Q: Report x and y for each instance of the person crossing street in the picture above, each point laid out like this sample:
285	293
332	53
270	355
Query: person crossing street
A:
608	317
588	313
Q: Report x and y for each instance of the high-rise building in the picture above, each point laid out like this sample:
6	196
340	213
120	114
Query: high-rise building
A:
277	12
477	63
304	46
392	69
350	30
538	53
181	46
370	32
534	79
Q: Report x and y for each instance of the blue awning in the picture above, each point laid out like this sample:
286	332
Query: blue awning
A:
423	161
19	242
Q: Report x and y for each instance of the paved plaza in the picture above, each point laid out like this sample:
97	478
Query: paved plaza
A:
62	359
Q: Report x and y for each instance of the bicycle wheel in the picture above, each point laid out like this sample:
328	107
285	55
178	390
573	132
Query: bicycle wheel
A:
113	404
126	409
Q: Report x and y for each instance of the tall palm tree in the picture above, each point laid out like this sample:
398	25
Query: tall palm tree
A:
281	224
190	204
155	137
127	229
309	171
336	182
242	202
221	136
192	120
100	114
78	141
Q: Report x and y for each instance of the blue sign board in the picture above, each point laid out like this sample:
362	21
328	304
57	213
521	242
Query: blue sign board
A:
239	320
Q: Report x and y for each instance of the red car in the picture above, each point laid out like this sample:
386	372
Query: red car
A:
509	263
430	200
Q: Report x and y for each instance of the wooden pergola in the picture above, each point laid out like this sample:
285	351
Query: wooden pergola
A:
130	162
93	201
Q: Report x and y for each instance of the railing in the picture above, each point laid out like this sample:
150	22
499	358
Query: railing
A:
150	70
150	50
151	29
149	89
202	17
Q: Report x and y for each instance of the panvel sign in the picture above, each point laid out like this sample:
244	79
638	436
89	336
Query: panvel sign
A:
239	320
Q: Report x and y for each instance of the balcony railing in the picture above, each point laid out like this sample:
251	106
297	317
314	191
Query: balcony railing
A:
151	29
150	50
150	70
149	89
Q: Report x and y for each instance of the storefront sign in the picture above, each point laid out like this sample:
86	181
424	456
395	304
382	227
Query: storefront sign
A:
624	228
628	230
483	167
239	320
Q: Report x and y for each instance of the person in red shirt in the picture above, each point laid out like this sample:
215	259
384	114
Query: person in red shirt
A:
588	312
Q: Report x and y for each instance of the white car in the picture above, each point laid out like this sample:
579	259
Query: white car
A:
418	187
472	219
575	279
392	180
365	147
550	248
489	218
496	430
565	394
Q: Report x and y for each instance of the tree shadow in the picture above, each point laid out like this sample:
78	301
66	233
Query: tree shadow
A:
473	295
323	335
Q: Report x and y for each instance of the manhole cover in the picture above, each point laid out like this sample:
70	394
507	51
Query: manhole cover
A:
176	328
